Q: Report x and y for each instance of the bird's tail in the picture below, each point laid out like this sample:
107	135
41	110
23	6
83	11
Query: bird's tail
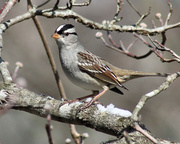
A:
126	75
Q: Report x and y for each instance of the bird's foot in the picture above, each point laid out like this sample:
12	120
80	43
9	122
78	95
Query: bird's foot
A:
88	104
68	102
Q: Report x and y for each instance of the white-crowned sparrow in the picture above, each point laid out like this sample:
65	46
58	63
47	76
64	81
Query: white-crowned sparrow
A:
87	70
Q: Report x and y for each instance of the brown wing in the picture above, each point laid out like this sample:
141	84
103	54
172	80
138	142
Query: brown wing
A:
94	66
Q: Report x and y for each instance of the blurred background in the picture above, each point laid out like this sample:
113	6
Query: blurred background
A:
22	43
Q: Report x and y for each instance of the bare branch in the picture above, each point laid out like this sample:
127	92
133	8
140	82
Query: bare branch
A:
118	10
134	8
44	3
167	49
69	113
153	24
6	8
163	35
69	14
50	57
74	134
127	137
86	3
95	117
143	40
145	133
29	4
169	80
121	48
163	48
170	13
48	127
143	17
4	72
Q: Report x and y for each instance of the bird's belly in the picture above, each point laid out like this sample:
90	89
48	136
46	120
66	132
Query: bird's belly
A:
85	81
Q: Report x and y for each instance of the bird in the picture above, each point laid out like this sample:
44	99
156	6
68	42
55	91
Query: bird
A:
89	71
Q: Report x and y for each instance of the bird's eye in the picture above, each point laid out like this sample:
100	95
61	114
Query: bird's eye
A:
66	34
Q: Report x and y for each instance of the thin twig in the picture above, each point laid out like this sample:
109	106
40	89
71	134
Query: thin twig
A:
72	3
44	3
48	125
75	135
122	46
118	10
131	44
50	57
122	49
143	17
29	4
153	24
86	3
6	8
56	5
160	55
143	40
111	39
163	35
134	8
18	66
158	16
169	80
161	48
169	14
167	49
145	133
49	129
127	137
4	72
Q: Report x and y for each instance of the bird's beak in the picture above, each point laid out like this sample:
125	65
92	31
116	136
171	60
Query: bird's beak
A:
56	36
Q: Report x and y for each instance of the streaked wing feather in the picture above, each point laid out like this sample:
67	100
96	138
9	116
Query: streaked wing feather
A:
95	67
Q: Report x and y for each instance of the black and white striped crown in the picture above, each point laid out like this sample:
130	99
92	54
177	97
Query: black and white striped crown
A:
66	29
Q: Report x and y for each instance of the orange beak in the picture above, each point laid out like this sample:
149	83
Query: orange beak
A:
56	36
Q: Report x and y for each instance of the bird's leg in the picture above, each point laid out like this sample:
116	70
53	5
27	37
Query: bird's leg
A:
105	89
96	92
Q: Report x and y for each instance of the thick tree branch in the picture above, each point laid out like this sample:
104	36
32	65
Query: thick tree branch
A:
93	117
70	14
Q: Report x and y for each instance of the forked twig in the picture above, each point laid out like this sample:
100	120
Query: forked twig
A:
169	80
118	10
163	48
121	48
158	46
143	17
